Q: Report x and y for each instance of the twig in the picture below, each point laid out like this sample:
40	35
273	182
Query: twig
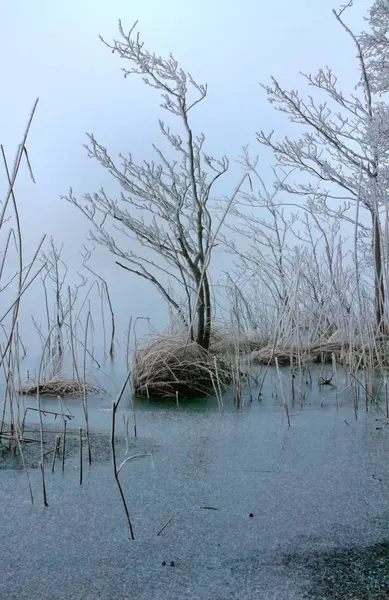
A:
43	485
64	445
80	438
56	451
131	458
114	410
164	527
286	407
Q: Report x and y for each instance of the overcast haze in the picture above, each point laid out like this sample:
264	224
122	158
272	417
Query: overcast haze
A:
51	50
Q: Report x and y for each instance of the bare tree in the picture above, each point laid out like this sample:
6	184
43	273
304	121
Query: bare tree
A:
166	205
345	150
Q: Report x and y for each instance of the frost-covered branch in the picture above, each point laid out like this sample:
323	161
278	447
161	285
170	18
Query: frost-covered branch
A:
163	217
344	149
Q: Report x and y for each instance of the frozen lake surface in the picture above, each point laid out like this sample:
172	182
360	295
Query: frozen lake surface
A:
320	485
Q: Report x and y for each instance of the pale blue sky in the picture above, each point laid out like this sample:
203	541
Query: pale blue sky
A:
51	49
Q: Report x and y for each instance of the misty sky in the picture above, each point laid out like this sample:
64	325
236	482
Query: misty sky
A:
51	49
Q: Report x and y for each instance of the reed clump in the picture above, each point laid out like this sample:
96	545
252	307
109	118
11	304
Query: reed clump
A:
172	366
346	353
224	342
60	387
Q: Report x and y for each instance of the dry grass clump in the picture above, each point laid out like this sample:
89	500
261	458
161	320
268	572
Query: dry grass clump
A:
171	366
60	387
304	353
345	353
227	342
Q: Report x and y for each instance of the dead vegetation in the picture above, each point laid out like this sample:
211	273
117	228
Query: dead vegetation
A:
60	387
170	366
345	353
224	341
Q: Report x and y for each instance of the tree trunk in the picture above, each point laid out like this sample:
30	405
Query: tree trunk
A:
208	315
379	287
204	318
200	311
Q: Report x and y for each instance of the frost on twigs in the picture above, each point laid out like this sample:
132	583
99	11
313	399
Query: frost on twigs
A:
163	74
375	45
343	151
160	225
